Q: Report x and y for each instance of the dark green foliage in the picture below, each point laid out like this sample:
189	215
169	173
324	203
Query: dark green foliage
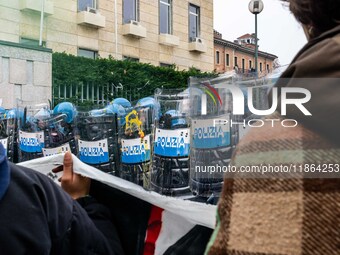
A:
139	79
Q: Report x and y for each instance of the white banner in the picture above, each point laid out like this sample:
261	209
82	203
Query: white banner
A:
194	212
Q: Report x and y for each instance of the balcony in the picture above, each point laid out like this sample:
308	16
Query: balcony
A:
91	17
197	45
35	6
168	40
135	29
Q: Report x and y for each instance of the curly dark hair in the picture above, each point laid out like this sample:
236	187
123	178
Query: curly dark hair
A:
320	15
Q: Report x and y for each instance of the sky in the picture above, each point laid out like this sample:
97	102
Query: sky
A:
278	31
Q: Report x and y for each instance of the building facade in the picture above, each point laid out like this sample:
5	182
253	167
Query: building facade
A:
159	32
25	74
240	55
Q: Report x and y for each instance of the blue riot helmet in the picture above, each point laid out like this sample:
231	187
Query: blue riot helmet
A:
122	101
173	113
146	101
11	114
15	114
66	108
177	119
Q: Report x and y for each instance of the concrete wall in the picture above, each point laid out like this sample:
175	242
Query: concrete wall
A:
62	33
25	73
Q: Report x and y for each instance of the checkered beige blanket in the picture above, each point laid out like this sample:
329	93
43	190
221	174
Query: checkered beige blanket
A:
280	216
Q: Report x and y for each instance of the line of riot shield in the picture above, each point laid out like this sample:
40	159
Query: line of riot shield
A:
97	134
136	142
170	169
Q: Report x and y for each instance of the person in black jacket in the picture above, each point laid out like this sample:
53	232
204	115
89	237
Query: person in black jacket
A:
38	217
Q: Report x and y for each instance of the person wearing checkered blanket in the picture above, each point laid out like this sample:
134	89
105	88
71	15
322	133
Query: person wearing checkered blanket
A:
290	215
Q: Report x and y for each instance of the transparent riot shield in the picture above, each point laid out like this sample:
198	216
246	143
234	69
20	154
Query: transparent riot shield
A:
212	137
32	127
170	170
60	130
220	115
136	142
98	138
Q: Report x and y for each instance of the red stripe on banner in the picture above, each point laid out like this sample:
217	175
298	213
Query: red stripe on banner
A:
153	230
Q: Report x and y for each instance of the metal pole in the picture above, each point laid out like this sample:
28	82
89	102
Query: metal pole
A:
41	22
256	50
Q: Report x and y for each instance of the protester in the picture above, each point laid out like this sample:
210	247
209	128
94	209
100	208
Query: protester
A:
291	215
38	217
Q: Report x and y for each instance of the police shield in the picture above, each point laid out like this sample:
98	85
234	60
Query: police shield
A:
136	142
170	170
98	138
32	126
59	132
212	137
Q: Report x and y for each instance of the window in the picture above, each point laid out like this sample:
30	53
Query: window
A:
194	22
243	66
260	67
250	64
130	10
165	16
31	42
268	67
217	57
132	59
84	4
87	53
227	59
235	61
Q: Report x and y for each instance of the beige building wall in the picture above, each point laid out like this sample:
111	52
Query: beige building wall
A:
62	33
